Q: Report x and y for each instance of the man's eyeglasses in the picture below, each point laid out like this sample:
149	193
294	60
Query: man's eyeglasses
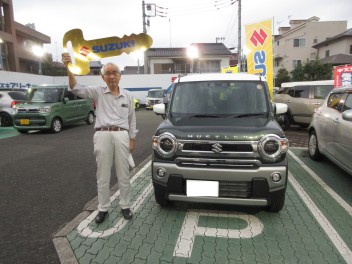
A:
115	73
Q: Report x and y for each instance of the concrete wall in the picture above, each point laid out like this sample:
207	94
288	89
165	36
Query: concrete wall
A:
138	84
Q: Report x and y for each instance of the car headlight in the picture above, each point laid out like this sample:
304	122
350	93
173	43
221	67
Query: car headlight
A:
166	144
271	147
44	109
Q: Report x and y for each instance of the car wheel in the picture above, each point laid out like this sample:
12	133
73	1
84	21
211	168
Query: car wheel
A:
56	125
6	120
277	204
160	196
284	121
313	148
90	119
137	106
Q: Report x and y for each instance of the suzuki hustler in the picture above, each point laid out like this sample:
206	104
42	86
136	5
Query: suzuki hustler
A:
219	143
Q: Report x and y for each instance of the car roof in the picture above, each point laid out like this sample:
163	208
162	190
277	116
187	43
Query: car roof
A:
220	77
342	88
50	86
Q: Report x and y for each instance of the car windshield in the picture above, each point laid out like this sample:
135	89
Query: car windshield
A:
212	99
156	94
45	95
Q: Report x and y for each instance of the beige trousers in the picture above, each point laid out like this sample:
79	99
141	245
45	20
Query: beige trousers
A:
112	147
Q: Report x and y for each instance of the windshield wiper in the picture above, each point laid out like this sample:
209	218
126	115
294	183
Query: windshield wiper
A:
205	115
247	115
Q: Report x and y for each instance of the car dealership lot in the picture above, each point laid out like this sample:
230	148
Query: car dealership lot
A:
46	181
314	226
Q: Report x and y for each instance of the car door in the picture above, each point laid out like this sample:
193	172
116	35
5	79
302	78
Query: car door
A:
343	146
299	104
319	94
70	108
331	125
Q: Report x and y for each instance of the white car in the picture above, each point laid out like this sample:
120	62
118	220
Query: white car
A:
330	132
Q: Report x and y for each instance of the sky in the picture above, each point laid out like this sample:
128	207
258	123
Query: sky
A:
178	22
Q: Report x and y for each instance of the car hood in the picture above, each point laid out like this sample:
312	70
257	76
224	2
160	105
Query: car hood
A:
225	129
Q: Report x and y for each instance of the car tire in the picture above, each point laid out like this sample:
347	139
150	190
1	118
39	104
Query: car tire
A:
56	125
137	106
277	204
90	118
284	121
6	120
313	146
160	196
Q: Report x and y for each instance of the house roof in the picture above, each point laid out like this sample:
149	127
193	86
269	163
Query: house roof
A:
345	34
203	50
339	59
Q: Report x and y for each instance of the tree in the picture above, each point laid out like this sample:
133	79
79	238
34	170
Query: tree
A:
312	71
51	68
282	76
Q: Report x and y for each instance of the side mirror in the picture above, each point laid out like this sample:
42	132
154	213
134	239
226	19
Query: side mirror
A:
280	108
347	115
159	109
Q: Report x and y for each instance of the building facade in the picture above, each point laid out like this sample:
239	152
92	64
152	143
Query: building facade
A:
17	42
294	44
209	57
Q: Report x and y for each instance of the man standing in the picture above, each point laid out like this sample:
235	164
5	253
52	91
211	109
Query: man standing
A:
114	138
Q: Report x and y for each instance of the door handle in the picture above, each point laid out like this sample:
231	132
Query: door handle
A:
316	103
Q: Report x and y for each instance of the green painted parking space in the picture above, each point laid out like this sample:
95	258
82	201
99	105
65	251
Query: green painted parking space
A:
6	132
314	227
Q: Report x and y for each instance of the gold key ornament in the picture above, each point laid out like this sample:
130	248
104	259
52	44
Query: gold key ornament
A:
85	51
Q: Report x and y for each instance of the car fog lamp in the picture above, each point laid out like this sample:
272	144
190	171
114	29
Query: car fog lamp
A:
161	172
276	177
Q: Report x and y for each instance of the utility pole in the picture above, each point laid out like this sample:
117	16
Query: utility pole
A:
153	11
239	49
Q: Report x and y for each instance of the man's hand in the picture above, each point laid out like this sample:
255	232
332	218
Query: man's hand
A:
66	59
132	144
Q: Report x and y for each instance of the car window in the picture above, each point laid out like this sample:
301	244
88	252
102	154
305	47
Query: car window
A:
291	91
17	95
334	100
321	91
283	90
348	103
301	92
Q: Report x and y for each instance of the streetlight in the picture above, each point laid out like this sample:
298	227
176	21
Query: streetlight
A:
1	64
192	53
39	52
139	55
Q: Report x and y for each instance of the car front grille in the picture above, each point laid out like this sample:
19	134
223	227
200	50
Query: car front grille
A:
28	110
235	189
224	147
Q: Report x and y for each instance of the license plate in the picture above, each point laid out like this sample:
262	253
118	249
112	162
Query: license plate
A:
24	121
202	188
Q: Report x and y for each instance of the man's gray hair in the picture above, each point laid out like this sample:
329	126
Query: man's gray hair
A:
102	70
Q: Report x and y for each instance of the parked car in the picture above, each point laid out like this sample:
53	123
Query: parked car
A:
154	96
50	107
301	98
8	100
220	143
136	103
330	133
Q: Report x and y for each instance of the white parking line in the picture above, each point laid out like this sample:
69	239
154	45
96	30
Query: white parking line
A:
323	221
330	191
84	229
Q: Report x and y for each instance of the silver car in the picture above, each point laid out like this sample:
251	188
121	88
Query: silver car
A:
330	132
8	99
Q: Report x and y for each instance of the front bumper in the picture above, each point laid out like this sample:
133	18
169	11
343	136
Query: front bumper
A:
32	121
236	186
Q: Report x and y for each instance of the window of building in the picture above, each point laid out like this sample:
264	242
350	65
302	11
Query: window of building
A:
327	53
315	40
295	63
300	42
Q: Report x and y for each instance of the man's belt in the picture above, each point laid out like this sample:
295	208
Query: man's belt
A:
115	128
